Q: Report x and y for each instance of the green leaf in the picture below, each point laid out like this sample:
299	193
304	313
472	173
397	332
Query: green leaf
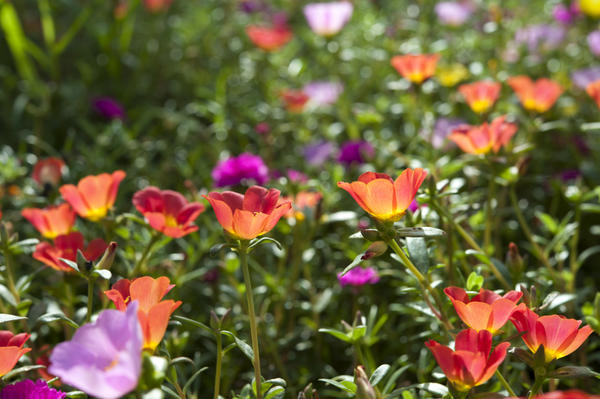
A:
474	282
379	373
358	332
195	323
548	221
190	380
263	240
419	232
417	251
50	317
22	370
339	385
102	273
243	346
353	264
70	263
4	318
336	333
573	372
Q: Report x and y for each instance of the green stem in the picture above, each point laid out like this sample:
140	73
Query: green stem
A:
10	280
487	235
253	327
574	265
505	384
218	367
360	357
140	266
90	299
537	386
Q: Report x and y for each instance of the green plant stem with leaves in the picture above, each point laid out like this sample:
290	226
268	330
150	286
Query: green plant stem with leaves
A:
140	266
489	214
573	262
505	384
218	365
90	298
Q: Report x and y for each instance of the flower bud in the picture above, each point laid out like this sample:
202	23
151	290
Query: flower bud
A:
364	389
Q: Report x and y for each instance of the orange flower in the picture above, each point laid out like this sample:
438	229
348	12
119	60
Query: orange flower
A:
94	195
66	246
51	221
593	89
416	67
486	310
294	100
480	95
11	350
484	138
301	202
471	363
382	197
153	313
559	336
247	216
538	96
269	39
48	171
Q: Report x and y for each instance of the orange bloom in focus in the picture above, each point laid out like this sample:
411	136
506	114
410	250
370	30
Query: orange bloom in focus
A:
486	310
593	89
382	197
11	350
471	363
484	138
415	67
51	221
247	216
301	202
538	96
269	39
294	100
559	336
480	95
153	313
94	195
48	171
66	246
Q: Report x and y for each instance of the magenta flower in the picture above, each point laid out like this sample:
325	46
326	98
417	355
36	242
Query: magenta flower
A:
453	13
327	19
104	358
318	152
28	389
593	40
323	93
109	108
359	276
357	151
566	15
245	168
296	176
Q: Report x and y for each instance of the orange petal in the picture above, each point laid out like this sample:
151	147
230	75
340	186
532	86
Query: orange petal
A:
475	314
380	198
9	356
148	291
406	186
223	212
248	225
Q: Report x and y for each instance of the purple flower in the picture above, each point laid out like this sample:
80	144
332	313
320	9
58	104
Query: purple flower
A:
28	389
236	170
104	358
453	13
442	128
323	93
593	40
109	108
318	152
251	6
567	175
541	37
327	19
583	77
359	276
566	15
296	176
357	151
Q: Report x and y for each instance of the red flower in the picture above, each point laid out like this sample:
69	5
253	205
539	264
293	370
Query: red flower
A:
247	216
538	96
486	310
415	67
480	95
66	246
593	89
294	100
559	336
484	138
153	313
51	221
167	211
382	197
11	350
157	5
48	171
269	39
471	363
94	195
571	394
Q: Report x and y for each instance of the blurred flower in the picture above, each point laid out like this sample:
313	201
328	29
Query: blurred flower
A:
318	152
481	95
327	19
51	221
269	38
414	206
541	37
359	276
571	394
442	128
247	216
104	358
486	310
451	75
593	89
323	93
566	15
471	363
28	389
568	175
294	100
157	5
301	203
583	77
382	197
296	176
453	13
48	171
251	6
11	350
94	195
539	95
262	128
109	108
44	360
66	246
235	170
593	40
356	151
167	211
415	67
153	313
484	138
590	7
559	336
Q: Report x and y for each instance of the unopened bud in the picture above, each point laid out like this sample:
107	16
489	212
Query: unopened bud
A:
109	256
370	234
364	389
514	260
377	248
